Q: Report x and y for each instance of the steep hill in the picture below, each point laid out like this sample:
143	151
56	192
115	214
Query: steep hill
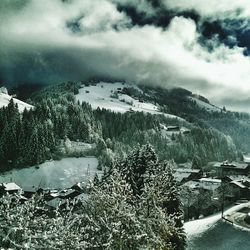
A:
5	99
115	97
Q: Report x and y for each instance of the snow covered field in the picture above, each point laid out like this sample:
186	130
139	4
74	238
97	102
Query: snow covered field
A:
54	174
5	99
99	95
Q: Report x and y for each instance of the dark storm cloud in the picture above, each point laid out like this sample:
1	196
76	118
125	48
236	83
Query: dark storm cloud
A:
168	43
155	14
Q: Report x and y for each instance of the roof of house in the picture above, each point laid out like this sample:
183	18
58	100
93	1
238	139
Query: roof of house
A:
187	170
11	186
246	158
239	184
68	192
210	180
173	128
231	165
78	185
200	184
238	178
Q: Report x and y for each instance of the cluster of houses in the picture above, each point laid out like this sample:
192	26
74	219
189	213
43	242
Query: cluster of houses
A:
235	175
54	198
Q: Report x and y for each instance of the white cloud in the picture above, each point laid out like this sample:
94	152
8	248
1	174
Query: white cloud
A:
167	57
220	9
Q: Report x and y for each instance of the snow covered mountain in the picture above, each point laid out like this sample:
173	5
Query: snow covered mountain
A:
5	99
111	96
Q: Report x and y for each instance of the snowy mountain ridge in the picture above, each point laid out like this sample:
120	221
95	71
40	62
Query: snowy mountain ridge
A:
110	96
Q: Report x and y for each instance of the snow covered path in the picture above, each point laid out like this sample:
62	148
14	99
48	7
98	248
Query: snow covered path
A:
196	227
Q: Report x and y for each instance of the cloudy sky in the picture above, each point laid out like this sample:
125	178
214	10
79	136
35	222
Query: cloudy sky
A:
200	45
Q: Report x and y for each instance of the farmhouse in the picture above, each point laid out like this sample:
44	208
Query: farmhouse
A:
9	188
233	168
246	158
182	175
28	192
173	128
241	186
210	184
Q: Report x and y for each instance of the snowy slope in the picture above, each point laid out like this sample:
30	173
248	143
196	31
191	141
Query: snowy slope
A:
209	107
5	99
54	174
100	95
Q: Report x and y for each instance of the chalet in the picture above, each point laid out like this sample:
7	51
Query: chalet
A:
246	158
51	194
241	186
207	184
173	128
9	188
182	175
233	168
210	183
185	131
28	192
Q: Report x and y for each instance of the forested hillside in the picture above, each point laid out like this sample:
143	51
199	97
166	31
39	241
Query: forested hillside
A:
33	136
57	116
178	102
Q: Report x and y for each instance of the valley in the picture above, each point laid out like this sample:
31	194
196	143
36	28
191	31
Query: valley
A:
79	131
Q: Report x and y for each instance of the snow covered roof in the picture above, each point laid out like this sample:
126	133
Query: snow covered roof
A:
11	186
204	183
68	193
238	178
173	128
246	158
188	170
239	184
79	186
210	180
233	165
